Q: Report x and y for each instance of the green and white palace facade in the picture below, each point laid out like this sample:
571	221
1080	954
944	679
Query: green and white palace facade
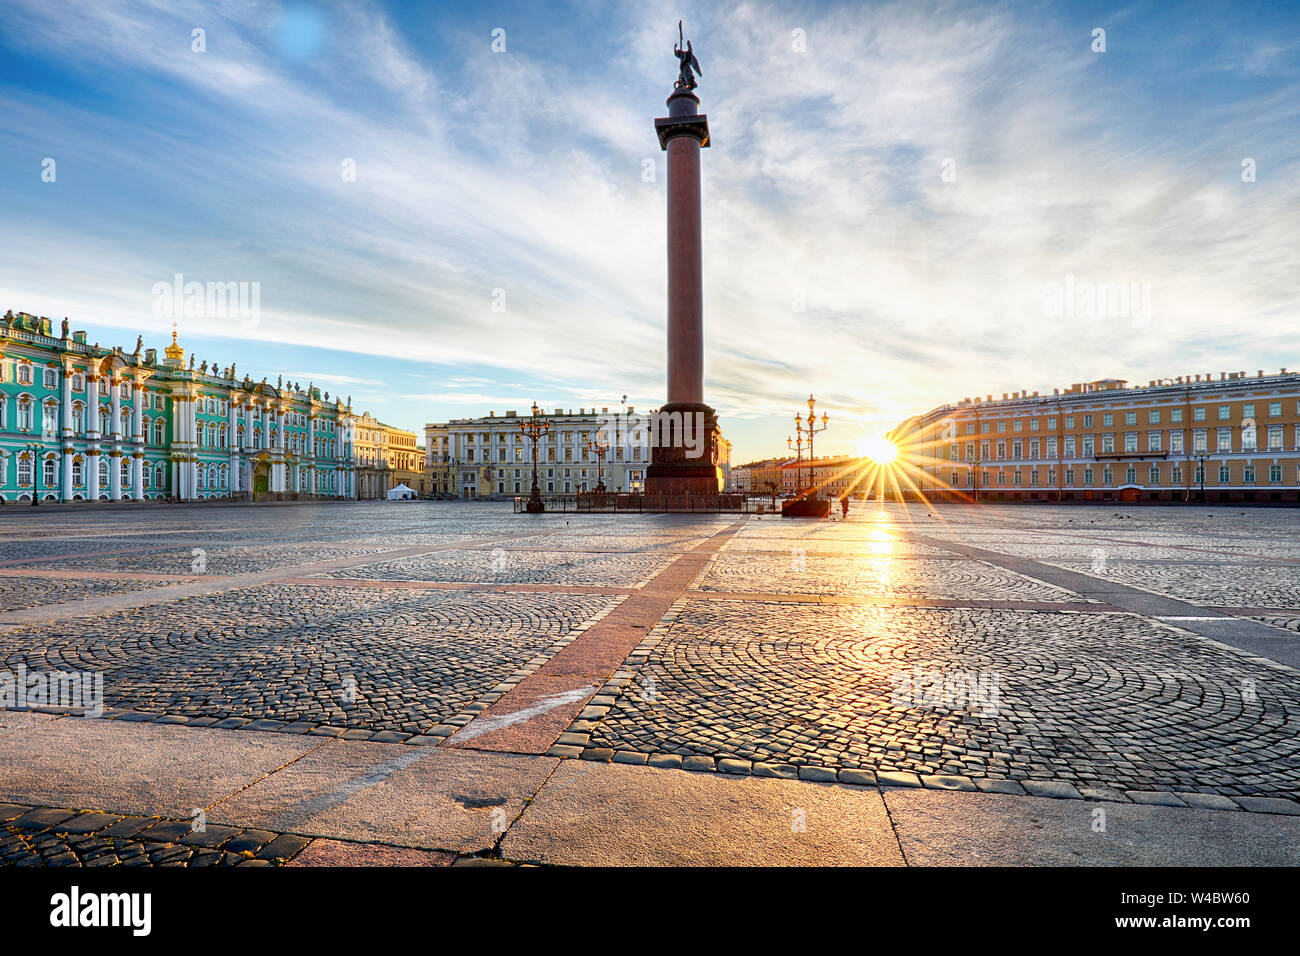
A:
83	423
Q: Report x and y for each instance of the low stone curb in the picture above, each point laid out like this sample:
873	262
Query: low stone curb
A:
573	746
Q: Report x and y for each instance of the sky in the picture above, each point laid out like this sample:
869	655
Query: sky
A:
452	208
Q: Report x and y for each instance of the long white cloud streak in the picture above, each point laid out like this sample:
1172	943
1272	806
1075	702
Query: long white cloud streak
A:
521	173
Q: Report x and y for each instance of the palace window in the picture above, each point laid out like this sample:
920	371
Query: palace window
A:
1130	418
1225	474
24	469
1198	414
78	473
1274	409
1275	473
1175	415
24	374
1248	474
1224	440
1130	475
78	382
1153	478
50	377
1225	412
1107	420
24	414
50	473
1153	441
1130	441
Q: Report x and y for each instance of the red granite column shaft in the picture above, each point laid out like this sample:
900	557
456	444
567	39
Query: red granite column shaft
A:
685	273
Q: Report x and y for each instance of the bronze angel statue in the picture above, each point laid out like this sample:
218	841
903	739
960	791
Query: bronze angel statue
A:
685	79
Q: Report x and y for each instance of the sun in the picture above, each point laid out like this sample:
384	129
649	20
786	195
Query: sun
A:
879	449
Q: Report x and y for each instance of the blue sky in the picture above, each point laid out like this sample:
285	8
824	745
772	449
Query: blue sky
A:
839	259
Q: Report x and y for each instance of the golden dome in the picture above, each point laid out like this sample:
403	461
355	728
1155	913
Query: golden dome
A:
174	352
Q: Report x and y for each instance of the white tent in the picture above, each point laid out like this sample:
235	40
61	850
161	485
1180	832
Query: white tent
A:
401	492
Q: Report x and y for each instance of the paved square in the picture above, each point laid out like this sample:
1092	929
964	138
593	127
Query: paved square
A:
1140	655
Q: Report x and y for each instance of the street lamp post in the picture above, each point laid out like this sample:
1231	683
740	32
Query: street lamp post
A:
814	430
33	451
535	428
600	450
798	448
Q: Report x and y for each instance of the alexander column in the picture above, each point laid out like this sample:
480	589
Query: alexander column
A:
685	463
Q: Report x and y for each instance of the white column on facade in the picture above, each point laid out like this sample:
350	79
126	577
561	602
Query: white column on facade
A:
232	437
65	472
92	474
137	436
311	435
92	407
115	406
92	436
115	474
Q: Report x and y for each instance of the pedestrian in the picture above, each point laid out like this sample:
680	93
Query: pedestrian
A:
844	505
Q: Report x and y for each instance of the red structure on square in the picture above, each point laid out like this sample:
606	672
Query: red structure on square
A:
677	467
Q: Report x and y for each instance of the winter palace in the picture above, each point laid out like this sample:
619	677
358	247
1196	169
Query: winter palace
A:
81	423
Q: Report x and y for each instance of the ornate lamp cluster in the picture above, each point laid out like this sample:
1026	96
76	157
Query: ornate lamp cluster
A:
535	427
810	429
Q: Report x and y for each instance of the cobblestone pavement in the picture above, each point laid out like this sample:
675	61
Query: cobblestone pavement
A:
49	836
1133	654
30	591
502	566
346	659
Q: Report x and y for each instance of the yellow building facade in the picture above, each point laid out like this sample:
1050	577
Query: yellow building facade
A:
1230	437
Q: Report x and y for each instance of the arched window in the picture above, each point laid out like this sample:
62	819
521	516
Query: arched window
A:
78	382
24	413
222	437
78	417
126	471
159	476
104	418
24	374
50	417
51	378
25	469
158	432
78	472
202	477
103	472
50	472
